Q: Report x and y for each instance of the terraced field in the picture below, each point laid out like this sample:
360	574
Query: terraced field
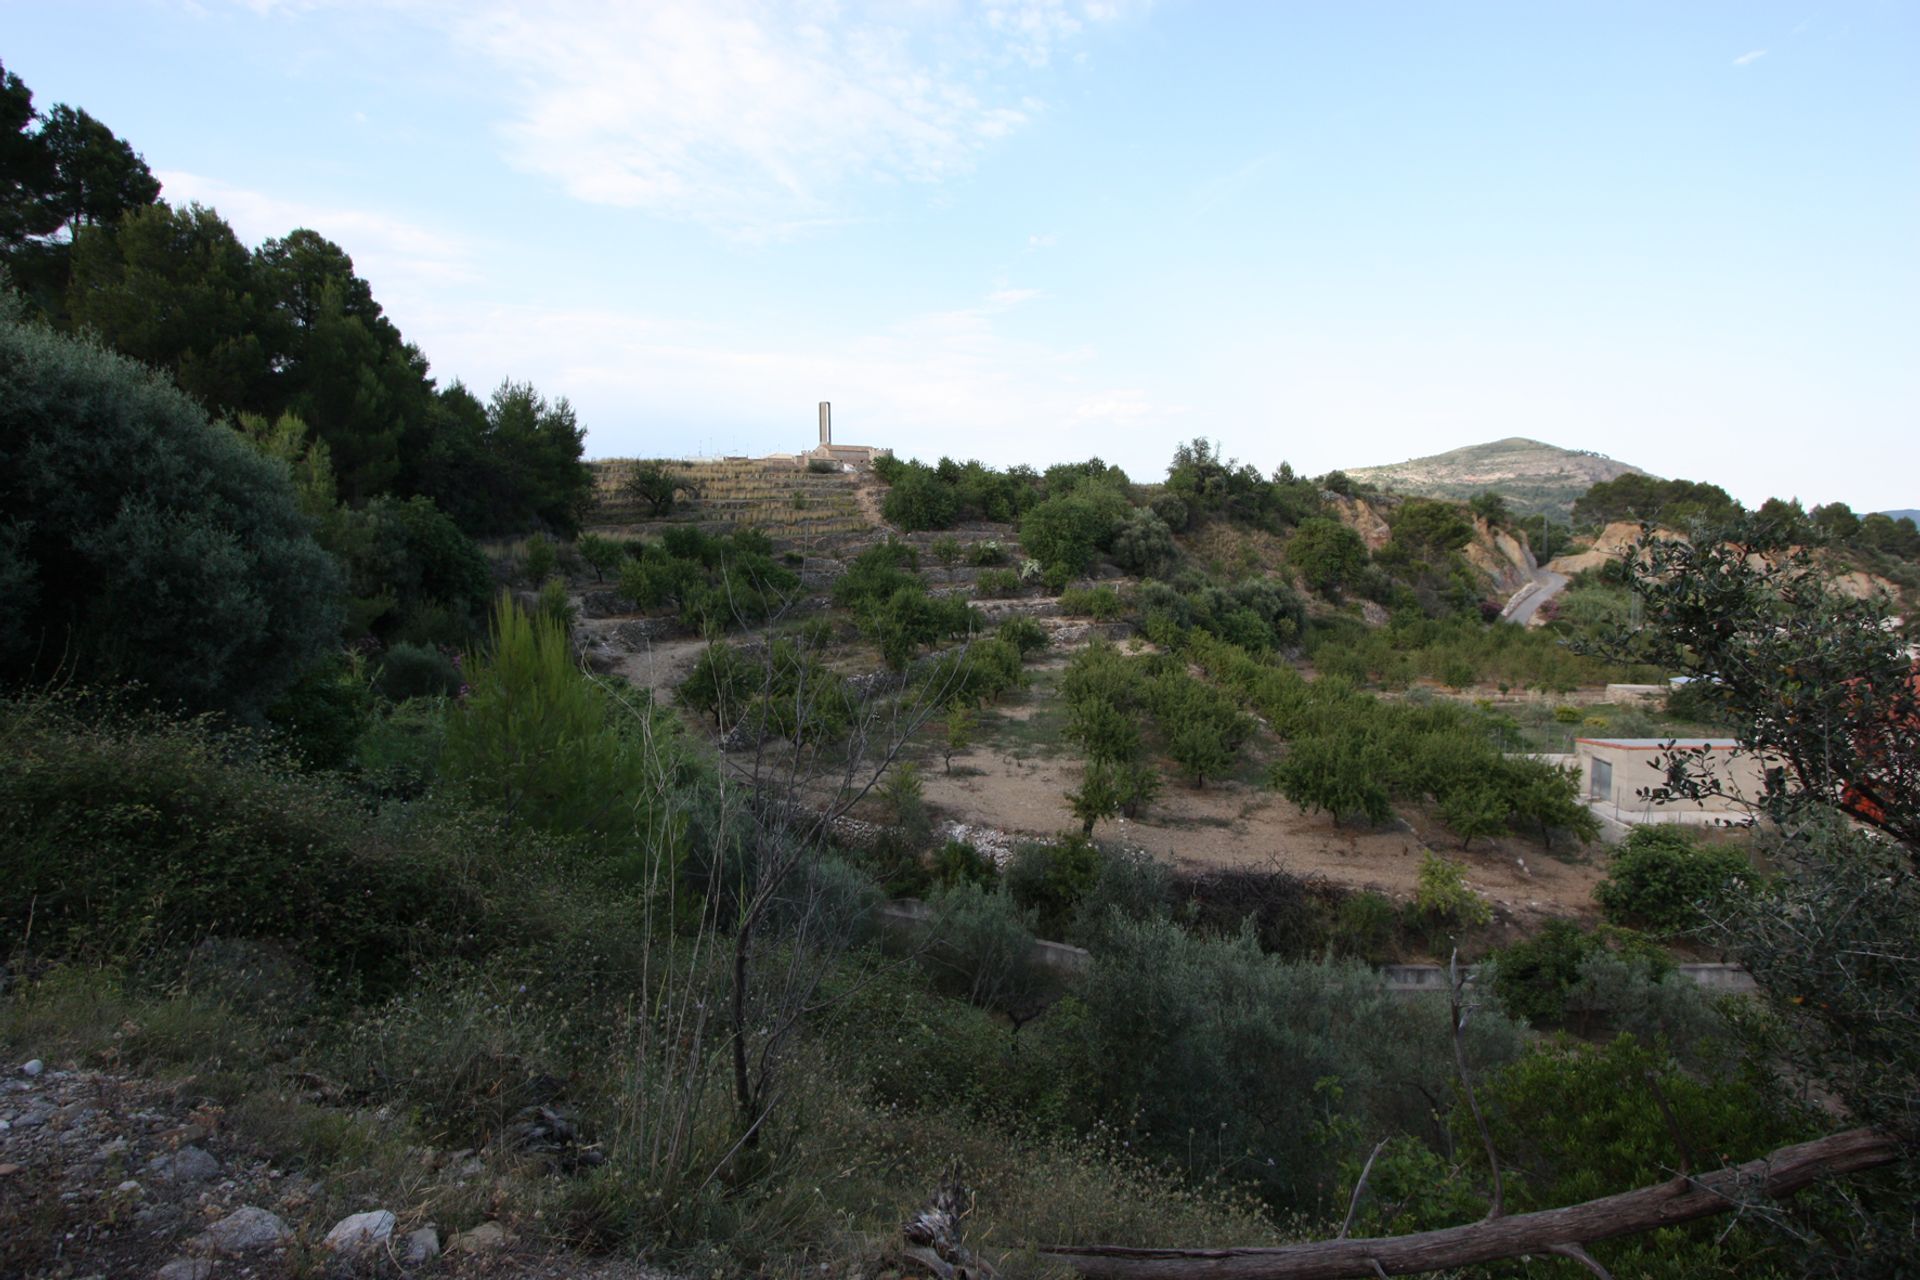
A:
809	510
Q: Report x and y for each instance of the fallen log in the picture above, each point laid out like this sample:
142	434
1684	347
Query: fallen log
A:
1561	1230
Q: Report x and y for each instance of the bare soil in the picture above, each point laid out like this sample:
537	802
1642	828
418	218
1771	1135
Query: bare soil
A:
1016	781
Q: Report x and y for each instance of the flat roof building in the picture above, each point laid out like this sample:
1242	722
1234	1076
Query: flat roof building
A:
1614	771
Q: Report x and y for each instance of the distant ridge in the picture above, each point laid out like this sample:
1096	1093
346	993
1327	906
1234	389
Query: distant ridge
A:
1910	513
1534	477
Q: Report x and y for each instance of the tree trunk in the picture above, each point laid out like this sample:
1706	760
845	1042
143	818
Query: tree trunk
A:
1679	1200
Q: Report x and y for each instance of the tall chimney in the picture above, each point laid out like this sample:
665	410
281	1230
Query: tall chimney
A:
826	424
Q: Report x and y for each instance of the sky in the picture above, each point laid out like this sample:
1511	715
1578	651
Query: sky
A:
1338	234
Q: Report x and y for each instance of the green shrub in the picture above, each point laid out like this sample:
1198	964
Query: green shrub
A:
946	550
1049	878
416	671
1099	603
997	584
398	754
324	713
132	840
1366	926
540	560
144	543
1443	904
538	741
982	951
984	555
1662	880
957	862
1024	634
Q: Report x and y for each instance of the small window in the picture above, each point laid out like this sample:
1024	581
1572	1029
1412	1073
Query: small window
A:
1600	785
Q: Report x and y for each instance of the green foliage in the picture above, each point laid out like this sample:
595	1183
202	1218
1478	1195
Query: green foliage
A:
1144	545
1475	811
322	716
997	584
1576	1122
540	560
1024	634
1050	878
1443	903
956	862
1100	603
602	554
657	485
134	839
1066	533
1343	776
918	500
1425	528
961	722
143	543
544	745
715	584
411	572
1677	504
984	555
1327	554
1663	880
982	951
1209	485
947	551
1230	1062
1097	796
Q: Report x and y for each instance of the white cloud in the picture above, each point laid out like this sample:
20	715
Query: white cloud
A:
398	257
1037	242
1750	57
757	116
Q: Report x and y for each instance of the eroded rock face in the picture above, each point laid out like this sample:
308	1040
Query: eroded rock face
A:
1363	518
1501	556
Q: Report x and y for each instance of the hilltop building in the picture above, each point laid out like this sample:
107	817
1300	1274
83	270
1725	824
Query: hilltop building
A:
849	457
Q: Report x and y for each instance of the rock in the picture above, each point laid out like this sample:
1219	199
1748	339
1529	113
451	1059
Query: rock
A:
34	1116
422	1246
129	1188
485	1238
360	1232
33	1068
188	1165
246	1230
185	1269
8	1170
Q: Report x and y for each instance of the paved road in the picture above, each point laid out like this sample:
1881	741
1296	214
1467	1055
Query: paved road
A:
1545	586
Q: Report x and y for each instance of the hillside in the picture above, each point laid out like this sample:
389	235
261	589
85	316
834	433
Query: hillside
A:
1904	513
1535	478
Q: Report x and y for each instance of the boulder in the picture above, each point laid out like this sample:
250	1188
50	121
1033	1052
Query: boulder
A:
246	1230
360	1232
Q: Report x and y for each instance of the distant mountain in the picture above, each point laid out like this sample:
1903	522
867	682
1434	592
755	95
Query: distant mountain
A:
1533	477
1910	513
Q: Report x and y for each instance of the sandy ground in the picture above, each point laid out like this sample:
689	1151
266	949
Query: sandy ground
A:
1022	791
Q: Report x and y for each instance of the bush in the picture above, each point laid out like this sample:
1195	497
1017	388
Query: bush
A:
540	742
983	952
131	840
1024	634
1662	880
1099	603
997	584
415	671
144	543
1144	545
1050	878
540	560
1443	903
983	555
958	862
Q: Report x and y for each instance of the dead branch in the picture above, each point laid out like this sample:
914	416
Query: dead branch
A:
1677	1200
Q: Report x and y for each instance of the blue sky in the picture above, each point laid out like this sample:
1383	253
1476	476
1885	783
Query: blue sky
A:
1683	234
